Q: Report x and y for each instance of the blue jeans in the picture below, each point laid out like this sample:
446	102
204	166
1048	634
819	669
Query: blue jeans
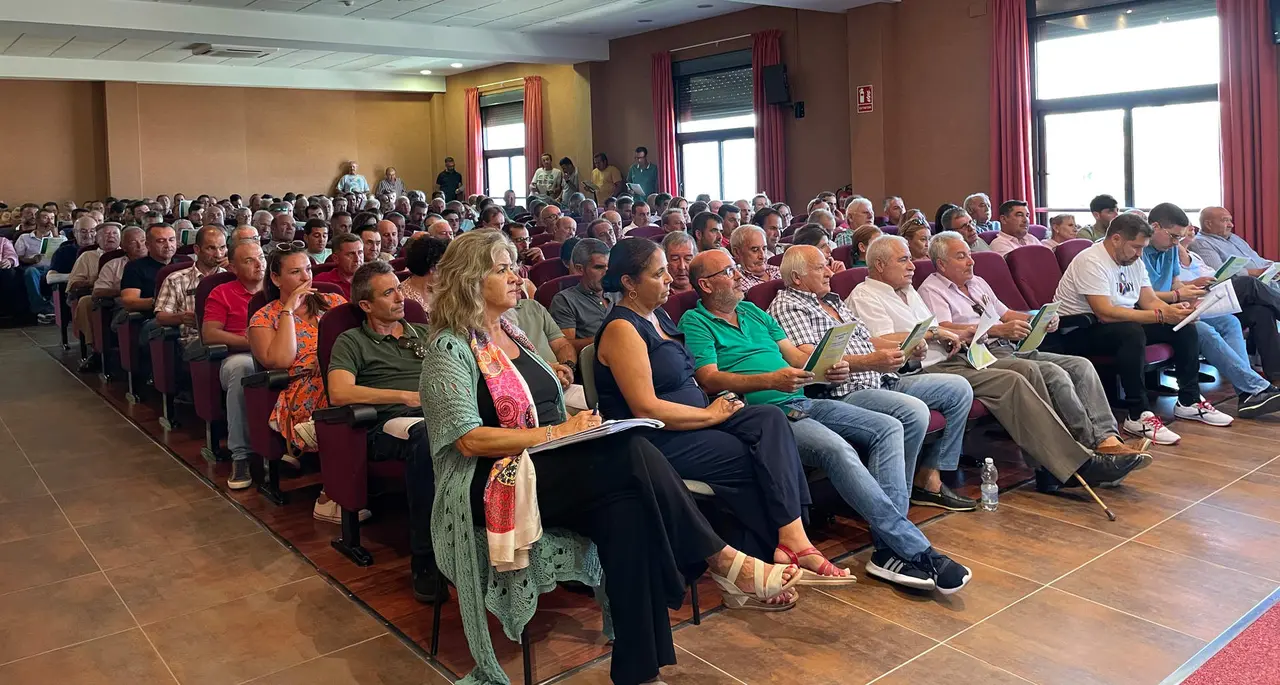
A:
951	396
234	368
33	279
829	439
1222	344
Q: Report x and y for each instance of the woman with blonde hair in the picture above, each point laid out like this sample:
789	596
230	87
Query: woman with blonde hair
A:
916	230
489	398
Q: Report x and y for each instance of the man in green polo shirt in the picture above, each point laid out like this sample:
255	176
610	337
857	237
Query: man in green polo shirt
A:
739	348
378	364
643	174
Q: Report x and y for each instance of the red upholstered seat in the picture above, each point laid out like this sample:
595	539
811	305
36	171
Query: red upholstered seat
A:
775	260
844	282
1067	251
206	386
166	358
889	229
978	411
1035	272
762	295
924	269
547	291
550	250
647	232
843	254
1040	232
936	422
992	268
988	236
546	270
540	239
679	303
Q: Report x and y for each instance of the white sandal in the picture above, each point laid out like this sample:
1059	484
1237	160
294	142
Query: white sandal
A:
765	588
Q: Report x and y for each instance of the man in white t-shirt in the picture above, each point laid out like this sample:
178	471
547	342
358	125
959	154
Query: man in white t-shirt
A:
890	307
1109	282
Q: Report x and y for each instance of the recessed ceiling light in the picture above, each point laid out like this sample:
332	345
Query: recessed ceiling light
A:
456	65
644	21
425	72
704	7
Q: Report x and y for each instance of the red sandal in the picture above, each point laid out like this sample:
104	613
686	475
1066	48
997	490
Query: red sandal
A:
825	573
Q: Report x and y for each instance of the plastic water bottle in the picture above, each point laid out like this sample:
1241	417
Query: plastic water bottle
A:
990	490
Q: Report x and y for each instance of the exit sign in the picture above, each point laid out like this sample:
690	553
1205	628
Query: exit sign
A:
866	103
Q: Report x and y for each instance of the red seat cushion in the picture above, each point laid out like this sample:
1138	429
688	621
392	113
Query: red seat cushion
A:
977	411
936	422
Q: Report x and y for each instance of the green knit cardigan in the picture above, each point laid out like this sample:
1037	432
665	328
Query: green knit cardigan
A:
450	378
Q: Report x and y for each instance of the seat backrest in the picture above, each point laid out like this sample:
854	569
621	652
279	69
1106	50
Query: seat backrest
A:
547	291
317	269
163	273
762	295
889	229
347	316
207	284
988	236
843	254
1068	250
546	270
924	269
844	282
646	232
587	363
550	250
108	256
775	260
1040	232
85	248
786	232
186	249
539	239
399	263
992	268
1036	273
679	303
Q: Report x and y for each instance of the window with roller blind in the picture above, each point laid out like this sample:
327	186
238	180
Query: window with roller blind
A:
715	126
502	120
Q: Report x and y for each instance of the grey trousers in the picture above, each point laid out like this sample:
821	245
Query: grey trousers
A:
1075	392
1015	392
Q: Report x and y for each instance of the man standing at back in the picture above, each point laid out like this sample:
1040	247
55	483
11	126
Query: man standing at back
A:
605	177
1105	209
642	173
449	181
352	182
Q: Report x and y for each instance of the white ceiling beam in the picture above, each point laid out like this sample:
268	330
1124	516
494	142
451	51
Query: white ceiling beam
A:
56	68
118	19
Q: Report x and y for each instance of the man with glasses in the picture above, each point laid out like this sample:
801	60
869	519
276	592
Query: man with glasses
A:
1221	337
1015	223
379	364
958	220
642	173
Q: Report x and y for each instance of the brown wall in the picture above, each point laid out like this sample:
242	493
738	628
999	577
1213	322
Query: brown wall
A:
813	48
566	110
53	141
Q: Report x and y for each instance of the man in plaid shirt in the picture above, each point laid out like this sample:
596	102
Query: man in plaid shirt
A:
748	248
806	309
176	301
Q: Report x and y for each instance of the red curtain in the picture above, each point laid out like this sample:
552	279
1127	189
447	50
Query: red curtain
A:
1248	94
664	122
532	125
474	180
1010	103
771	147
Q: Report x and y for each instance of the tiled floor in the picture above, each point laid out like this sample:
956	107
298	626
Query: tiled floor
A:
118	565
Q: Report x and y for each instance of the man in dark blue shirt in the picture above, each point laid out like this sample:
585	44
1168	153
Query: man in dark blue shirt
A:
449	180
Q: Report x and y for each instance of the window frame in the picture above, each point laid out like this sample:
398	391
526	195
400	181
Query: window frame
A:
702	66
510	153
1128	101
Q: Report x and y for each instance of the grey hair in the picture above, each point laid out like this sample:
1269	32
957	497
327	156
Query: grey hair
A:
882	247
237	244
678	238
973	197
950	215
586	248
795	261
819	213
181	224
125	233
739	236
362	281
888	200
871	209
938	245
258	215
457	302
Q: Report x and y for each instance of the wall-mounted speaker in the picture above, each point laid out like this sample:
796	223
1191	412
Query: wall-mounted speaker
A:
777	91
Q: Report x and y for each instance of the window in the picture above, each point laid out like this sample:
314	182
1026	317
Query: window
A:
715	126
1126	104
503	141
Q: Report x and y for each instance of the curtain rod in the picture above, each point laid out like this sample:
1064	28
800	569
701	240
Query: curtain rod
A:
711	42
500	83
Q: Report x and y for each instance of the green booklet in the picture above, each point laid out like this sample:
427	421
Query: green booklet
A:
188	236
1229	268
1271	274
829	351
1039	328
916	335
50	245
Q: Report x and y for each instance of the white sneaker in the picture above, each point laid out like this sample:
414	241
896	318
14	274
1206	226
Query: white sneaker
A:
1150	426
1204	412
332	513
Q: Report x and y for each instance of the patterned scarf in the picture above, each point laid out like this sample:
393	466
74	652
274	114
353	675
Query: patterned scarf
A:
512	522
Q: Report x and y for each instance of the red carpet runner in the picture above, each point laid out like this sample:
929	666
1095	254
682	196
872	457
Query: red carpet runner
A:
1252	658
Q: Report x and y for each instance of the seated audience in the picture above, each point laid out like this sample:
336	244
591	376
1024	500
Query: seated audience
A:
1062	228
894	208
708	231
389	234
1015	224
492	217
827	221
138	281
588	210
1108	282
371	239
860	213
748	248
84	276
421	255
746	454
348	253
225	322
1013	391
283	335
1105	209
615	491
958	220
813	234
639	217
602	229
915	230
316	235
262	221
862	237
282	230
379	364
740	349
563	228
175	304
673	221
34	263
978	206
1221	338
84	234
772	223
730	218
580	310
679	249
441	229
807	309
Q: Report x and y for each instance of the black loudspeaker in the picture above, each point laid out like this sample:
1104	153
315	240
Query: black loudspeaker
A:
777	91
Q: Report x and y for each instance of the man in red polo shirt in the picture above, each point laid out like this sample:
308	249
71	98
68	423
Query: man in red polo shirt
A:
226	317
348	252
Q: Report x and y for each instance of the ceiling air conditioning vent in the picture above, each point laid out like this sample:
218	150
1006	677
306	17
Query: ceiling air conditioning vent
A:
232	52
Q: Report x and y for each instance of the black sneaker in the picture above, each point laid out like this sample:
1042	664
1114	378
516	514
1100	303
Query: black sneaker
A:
943	499
949	576
90	364
241	477
430	587
891	568
1259	403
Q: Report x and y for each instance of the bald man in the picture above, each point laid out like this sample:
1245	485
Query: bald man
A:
85	234
548	217
563	229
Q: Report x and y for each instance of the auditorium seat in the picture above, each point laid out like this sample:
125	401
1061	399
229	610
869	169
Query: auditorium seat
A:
1035	272
988	236
546	270
924	269
775	260
843	254
547	291
204	362
539	239
550	250
647	232
992	268
1040	232
345	466
129	336
100	320
762	295
889	229
1068	250
679	303
166	358
844	282
317	269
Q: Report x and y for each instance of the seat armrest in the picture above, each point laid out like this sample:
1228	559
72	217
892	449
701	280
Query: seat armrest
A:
272	380
200	353
81	290
164	333
1076	321
139	316
355	415
104	302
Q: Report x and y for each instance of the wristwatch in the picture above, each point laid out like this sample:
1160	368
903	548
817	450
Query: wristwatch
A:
573	366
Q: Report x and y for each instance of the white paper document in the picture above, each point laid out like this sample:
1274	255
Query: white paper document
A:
1219	301
606	428
979	355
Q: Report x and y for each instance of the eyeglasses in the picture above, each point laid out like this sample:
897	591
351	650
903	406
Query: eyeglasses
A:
730	271
291	246
415	345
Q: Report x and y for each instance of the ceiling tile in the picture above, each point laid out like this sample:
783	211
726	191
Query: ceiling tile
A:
290	58
335	7
366	62
278	5
332	60
28	45
169	54
133	49
233	4
81	48
203	59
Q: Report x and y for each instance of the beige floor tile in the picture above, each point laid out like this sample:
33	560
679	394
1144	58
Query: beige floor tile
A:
139	538
60	614
30	517
121	659
18	482
381	661
1222	537
945	666
143	493
43	559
